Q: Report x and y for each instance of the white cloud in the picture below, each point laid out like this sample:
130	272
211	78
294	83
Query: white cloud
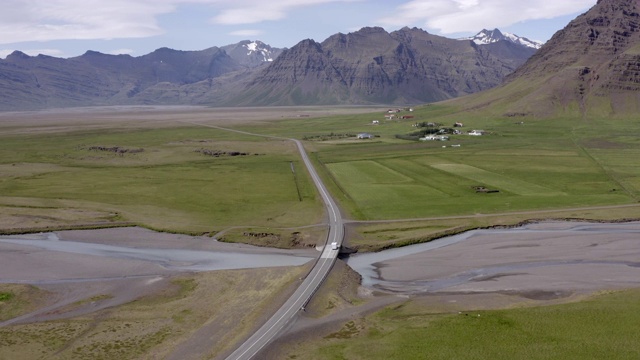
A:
246	33
235	12
45	20
454	16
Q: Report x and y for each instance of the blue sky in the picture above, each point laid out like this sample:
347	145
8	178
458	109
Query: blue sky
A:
67	28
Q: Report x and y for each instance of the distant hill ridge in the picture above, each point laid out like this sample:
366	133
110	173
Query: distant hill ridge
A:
368	66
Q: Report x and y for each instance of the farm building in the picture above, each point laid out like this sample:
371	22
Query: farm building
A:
433	137
365	136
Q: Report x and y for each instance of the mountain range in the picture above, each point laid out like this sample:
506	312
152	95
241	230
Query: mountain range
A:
372	66
369	66
591	67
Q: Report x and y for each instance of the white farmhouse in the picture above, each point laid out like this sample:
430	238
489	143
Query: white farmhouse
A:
433	137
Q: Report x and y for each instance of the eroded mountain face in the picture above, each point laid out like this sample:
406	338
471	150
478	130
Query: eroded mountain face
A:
374	66
593	62
364	67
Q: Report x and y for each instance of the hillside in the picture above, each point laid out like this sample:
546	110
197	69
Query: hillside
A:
373	66
591	67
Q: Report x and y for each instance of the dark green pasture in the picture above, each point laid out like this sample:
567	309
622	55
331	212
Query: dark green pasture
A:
527	163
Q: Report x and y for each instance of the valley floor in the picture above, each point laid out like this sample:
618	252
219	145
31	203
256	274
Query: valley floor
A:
593	258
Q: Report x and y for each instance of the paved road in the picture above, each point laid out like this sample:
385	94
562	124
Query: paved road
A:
301	296
314	279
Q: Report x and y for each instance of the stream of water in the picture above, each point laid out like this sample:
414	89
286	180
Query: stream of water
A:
171	259
586	237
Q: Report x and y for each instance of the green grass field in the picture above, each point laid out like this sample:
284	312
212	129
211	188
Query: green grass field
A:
534	164
169	185
414	186
604	327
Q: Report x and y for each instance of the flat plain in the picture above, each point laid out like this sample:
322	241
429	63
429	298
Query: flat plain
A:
159	168
108	165
152	167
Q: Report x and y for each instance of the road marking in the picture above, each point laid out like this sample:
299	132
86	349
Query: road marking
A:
281	317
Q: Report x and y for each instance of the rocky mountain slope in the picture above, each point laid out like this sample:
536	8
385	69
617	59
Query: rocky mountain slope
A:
591	67
364	67
252	53
374	66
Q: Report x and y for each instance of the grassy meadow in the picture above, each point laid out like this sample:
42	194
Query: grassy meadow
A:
602	327
155	325
18	299
534	164
163	180
559	168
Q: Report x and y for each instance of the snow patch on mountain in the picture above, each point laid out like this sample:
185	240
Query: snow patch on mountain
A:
491	36
260	48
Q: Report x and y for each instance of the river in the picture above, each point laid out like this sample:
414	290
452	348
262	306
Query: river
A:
38	258
541	256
